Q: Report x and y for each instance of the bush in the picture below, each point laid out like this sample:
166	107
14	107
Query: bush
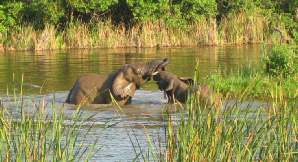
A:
175	13
280	61
38	13
9	13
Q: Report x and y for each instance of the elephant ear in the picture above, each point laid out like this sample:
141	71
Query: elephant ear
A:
122	87
187	80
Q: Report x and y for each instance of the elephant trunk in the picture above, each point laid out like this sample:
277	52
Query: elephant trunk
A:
147	69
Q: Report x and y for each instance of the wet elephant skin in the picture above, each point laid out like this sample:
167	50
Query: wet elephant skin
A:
177	89
174	87
121	84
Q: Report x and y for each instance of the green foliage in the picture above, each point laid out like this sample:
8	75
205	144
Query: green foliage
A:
174	13
226	7
148	10
258	84
280	61
42	12
191	9
9	14
90	6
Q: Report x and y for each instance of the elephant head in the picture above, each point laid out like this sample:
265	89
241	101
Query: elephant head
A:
167	81
131	76
148	69
175	88
178	88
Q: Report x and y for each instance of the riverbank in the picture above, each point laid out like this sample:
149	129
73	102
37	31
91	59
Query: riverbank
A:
255	86
47	25
235	30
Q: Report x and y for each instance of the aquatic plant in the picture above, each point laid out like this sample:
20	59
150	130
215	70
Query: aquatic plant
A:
280	61
43	133
239	131
256	85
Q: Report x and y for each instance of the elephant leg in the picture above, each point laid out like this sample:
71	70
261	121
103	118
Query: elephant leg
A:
74	95
170	96
68	99
128	100
80	98
103	97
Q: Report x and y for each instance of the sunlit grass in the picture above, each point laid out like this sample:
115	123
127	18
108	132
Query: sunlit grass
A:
236	28
267	131
256	85
38	131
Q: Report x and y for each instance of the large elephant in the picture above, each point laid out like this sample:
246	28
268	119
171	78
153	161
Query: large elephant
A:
121	84
177	89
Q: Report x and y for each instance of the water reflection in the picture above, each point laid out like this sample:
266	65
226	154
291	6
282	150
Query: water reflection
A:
57	70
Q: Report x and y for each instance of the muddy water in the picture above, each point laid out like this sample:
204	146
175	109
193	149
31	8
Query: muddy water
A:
49	76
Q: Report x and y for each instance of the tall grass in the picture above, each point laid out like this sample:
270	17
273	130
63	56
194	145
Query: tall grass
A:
241	28
256	86
236	132
235	28
40	135
278	66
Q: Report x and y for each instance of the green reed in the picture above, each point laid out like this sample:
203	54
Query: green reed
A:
235	132
42	136
256	84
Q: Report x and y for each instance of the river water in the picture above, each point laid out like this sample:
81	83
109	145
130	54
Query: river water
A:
49	75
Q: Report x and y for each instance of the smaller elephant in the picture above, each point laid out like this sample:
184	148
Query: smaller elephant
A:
121	84
178	88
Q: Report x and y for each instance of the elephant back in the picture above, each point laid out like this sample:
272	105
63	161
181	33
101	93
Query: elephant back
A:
85	89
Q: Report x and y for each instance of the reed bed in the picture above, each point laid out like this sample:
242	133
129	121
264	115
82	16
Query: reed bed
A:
236	131
235	28
40	135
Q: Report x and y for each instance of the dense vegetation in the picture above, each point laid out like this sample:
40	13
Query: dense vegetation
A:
239	132
278	68
44	134
242	129
46	24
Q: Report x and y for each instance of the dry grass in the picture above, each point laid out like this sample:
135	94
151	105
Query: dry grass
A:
236	28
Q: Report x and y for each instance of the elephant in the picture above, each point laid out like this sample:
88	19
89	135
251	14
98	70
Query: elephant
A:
121	84
177	89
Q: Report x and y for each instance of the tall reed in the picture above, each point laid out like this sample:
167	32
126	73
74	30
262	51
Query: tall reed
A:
235	28
40	135
236	132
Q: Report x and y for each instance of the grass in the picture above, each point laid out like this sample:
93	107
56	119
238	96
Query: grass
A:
42	136
256	86
235	133
236	28
277	68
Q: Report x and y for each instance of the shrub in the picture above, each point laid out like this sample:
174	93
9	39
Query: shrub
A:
9	13
280	61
